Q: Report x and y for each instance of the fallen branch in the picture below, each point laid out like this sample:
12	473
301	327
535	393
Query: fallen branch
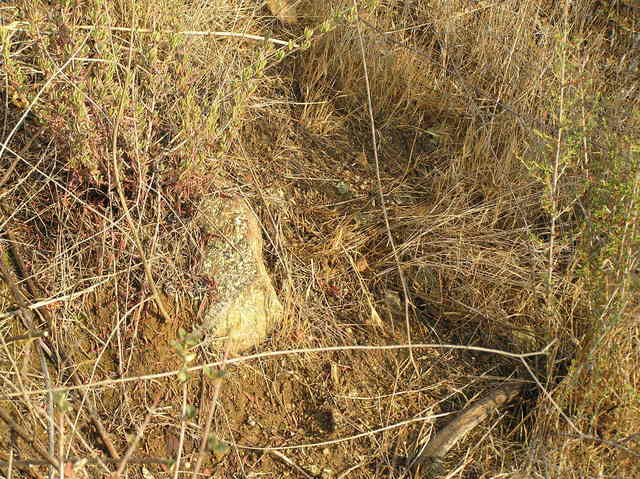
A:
428	464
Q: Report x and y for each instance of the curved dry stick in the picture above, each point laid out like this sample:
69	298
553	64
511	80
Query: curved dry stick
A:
427	464
383	207
272	354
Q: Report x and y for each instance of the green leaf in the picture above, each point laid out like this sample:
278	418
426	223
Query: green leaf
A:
190	411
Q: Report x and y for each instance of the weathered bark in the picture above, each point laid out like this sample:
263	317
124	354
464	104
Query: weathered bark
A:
429	464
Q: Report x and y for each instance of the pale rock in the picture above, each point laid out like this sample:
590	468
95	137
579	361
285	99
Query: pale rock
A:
245	307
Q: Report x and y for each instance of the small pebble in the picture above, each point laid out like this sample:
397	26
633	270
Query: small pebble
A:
327	473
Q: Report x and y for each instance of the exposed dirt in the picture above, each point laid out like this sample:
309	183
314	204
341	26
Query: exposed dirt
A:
300	400
321	213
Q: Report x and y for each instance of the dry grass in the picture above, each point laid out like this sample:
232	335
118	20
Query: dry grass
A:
507	135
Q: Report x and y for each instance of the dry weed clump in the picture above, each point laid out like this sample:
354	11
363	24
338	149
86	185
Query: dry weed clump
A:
508	163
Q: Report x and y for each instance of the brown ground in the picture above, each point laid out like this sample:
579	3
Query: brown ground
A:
506	134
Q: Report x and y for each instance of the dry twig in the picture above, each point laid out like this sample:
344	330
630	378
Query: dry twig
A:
127	213
212	407
281	456
132	447
383	207
26	467
28	438
33	287
287	352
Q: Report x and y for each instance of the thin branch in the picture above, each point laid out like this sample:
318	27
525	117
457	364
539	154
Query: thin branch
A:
272	354
195	33
550	398
9	472
614	444
383	206
28	320
93	415
26	467
344	439
33	287
16	160
92	460
291	463
212	407
123	199
36	98
348	471
58	299
555	178
61	436
183	427
29	439
10	281
50	409
84	441
132	447
29	335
